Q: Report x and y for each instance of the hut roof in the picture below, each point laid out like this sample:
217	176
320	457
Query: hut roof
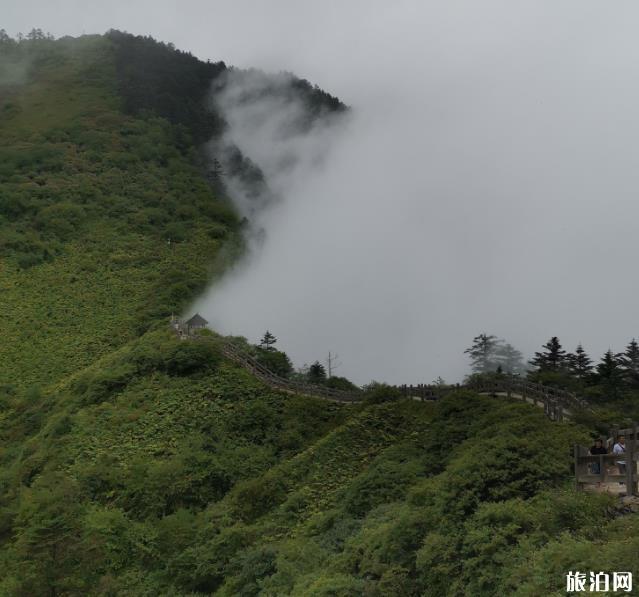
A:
196	320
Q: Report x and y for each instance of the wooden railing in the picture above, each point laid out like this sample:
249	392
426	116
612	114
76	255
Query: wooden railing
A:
249	362
558	404
603	468
600	469
426	391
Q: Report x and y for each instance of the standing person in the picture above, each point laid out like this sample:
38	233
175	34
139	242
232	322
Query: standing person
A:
598	448
620	448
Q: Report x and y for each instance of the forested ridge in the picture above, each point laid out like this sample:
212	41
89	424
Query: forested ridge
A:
133	463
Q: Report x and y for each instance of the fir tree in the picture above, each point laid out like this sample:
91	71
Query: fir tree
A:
629	364
553	358
5	38
579	363
482	353
609	373
509	358
268	340
317	372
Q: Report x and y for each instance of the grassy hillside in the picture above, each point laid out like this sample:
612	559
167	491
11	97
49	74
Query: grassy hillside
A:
151	473
135	464
89	197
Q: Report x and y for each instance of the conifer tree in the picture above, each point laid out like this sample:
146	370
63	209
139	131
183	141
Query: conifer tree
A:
317	372
5	38
629	364
268	340
579	363
609	373
482	353
553	358
509	358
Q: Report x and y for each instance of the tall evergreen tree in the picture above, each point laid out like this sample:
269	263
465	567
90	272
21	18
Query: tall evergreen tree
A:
509	358
579	363
317	372
482	353
268	340
553	358
609	374
5	38
629	364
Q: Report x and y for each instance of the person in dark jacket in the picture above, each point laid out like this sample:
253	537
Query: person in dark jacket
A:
595	450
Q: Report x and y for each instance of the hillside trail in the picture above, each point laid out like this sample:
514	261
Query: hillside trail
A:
557	404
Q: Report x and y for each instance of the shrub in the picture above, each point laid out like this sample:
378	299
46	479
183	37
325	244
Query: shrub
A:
256	497
275	360
60	219
176	231
106	382
340	383
189	357
27	260
376	393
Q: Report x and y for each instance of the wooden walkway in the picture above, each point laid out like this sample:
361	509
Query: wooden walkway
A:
250	363
557	404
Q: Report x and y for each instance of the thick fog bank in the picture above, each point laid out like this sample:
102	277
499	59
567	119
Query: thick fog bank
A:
484	181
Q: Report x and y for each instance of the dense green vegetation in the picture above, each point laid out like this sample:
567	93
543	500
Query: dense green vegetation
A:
89	198
611	385
157	471
133	463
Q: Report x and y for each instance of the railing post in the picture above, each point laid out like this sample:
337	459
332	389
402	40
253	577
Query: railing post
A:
634	456
631	466
576	454
539	399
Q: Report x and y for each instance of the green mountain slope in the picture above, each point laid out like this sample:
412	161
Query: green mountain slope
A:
132	463
89	198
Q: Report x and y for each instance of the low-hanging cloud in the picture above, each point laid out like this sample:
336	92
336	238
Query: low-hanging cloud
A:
272	139
484	182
